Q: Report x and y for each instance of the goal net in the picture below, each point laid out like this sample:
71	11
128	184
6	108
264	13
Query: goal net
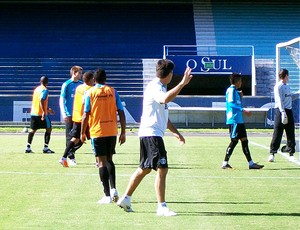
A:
288	57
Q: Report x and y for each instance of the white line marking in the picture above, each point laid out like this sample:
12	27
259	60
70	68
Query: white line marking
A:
285	155
128	175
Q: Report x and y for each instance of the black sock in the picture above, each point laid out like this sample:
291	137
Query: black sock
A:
29	139
77	146
112	173
103	174
70	146
47	137
230	149
246	150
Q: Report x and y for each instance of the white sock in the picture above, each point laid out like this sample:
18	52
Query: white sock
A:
224	163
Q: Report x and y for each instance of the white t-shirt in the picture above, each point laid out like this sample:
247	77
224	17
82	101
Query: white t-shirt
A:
154	118
282	96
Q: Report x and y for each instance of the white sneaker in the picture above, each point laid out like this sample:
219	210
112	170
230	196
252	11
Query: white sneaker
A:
165	211
104	200
125	204
114	195
72	162
271	158
292	158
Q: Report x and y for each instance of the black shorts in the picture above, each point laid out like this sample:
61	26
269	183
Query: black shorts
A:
37	123
104	146
76	130
153	154
237	131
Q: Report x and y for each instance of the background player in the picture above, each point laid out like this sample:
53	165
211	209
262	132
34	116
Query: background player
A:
39	115
100	112
77	116
235	121
66	102
284	118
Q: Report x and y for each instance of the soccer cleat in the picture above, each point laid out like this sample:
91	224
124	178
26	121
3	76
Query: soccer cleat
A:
227	166
64	162
114	195
256	166
47	150
271	158
28	151
125	204
105	200
165	211
292	158
72	162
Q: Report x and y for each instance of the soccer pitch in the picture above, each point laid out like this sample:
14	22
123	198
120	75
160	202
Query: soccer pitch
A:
38	193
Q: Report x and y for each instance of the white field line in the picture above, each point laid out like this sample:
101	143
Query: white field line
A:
153	175
285	155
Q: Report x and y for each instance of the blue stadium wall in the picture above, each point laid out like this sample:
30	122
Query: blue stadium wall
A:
93	30
90	30
83	30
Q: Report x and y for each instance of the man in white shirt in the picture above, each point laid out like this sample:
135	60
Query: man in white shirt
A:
154	122
283	119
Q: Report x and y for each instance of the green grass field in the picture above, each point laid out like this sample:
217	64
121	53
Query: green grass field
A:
38	193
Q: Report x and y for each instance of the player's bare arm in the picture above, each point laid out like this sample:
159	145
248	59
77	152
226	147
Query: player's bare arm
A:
247	112
175	132
84	123
171	94
122	137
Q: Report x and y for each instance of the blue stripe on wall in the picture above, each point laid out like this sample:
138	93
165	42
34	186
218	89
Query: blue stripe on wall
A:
94	30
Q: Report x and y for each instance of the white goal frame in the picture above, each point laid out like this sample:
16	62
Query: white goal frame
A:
284	45
293	49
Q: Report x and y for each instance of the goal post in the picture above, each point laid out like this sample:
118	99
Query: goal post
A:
288	57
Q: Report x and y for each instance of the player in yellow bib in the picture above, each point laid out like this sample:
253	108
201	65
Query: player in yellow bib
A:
39	115
102	105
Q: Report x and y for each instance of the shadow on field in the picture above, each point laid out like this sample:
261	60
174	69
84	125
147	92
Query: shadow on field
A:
237	214
281	169
214	202
93	165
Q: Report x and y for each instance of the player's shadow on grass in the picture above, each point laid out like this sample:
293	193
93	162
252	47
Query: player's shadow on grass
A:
282	169
91	165
184	166
212	202
283	214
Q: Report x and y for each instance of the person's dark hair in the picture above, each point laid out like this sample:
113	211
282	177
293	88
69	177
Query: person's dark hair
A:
44	80
87	76
164	67
100	76
235	77
283	73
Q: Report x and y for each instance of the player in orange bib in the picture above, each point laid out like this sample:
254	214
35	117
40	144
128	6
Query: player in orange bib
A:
102	105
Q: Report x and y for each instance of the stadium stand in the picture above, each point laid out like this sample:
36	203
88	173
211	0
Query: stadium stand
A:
46	39
19	76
